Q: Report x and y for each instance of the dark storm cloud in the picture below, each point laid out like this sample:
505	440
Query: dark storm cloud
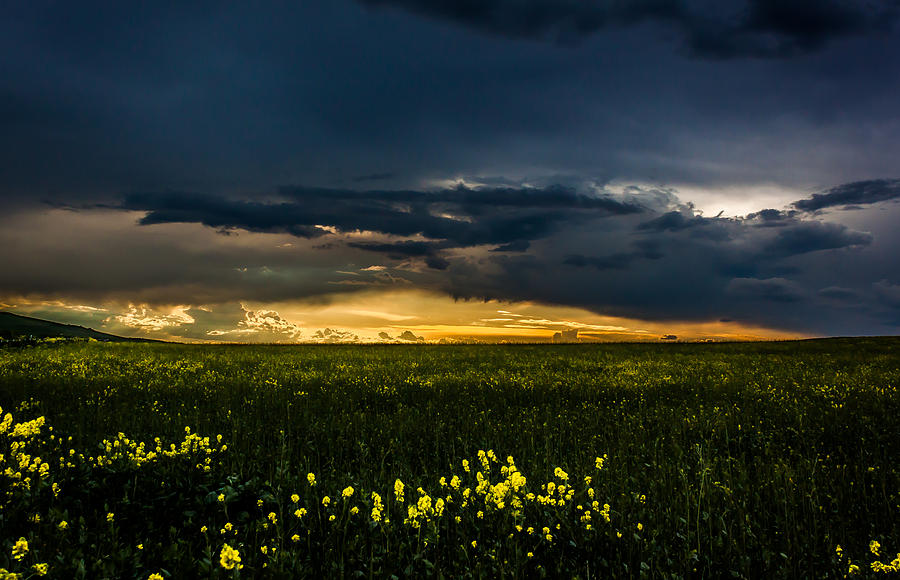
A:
852	194
674	221
459	217
757	28
590	251
766	268
374	177
813	237
772	289
235	99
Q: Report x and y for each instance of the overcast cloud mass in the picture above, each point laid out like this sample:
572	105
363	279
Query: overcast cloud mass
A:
212	172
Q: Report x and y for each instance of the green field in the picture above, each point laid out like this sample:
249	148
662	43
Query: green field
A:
718	460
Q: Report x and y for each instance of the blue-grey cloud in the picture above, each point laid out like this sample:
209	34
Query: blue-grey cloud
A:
813	237
458	217
756	28
857	193
771	289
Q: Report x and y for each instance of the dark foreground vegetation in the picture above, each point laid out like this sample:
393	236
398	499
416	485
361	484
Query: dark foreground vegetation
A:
765	460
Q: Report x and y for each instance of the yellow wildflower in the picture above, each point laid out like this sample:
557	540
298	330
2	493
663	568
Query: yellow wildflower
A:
326	500
20	549
295	498
155	577
273	518
62	525
874	546
295	538
311	478
348	492
42	569
229	558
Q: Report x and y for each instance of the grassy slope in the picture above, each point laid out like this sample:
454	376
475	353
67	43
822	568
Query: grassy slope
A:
15	325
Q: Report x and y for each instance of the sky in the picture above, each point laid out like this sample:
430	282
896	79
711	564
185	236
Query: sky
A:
427	170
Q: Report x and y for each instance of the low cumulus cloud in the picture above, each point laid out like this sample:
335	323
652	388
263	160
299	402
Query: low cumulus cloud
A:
228	322
731	29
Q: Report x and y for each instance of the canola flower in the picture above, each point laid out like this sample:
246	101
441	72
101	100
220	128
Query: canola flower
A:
20	548
229	558
41	569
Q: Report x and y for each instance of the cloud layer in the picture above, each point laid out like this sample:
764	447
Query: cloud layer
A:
634	252
755	28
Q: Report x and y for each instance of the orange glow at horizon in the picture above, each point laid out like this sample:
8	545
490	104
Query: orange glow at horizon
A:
382	316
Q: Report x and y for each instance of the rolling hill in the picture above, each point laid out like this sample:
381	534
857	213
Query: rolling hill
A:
16	325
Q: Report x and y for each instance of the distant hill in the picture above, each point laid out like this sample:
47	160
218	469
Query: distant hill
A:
16	325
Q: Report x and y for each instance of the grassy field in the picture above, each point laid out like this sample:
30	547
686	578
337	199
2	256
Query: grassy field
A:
658	461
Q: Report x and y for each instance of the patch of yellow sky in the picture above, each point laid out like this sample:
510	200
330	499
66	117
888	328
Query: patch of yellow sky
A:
434	317
429	315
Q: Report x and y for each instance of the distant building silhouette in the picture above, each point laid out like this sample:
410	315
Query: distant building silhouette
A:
566	336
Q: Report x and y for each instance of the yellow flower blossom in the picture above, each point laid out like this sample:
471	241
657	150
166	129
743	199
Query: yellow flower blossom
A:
42	569
295	498
229	558
311	478
326	500
348	492
20	549
155	577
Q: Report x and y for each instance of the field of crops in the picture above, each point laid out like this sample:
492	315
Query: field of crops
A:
776	460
